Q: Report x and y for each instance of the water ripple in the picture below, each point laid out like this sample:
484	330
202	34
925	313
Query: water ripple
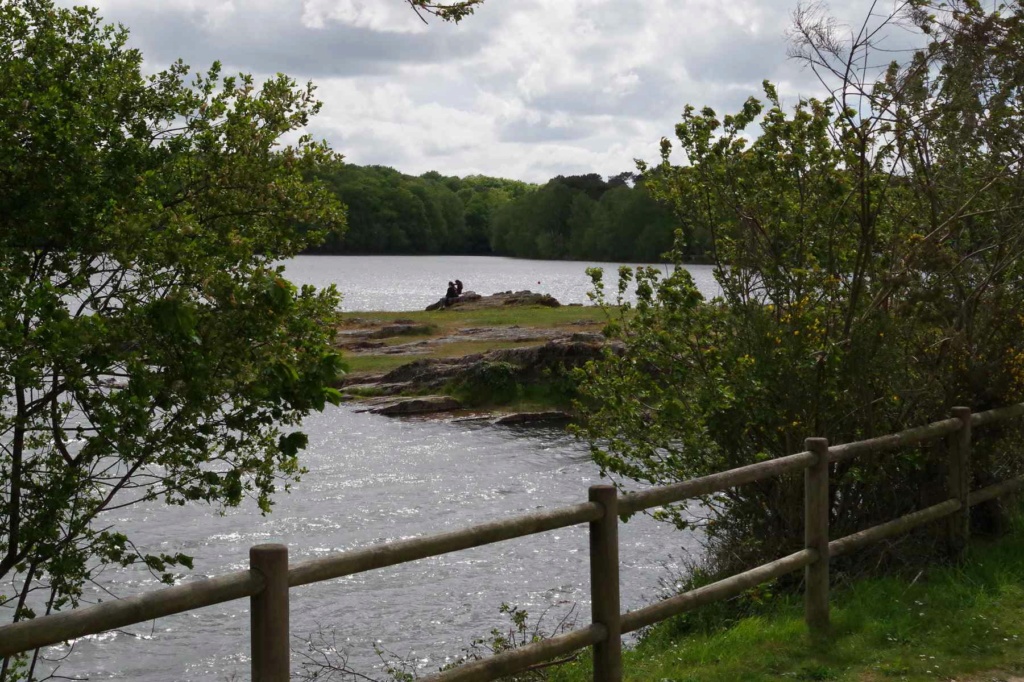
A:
373	480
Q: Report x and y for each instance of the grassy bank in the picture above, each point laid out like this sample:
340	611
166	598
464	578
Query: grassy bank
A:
946	623
437	327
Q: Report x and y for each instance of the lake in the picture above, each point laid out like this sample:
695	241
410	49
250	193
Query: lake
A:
373	479
414	282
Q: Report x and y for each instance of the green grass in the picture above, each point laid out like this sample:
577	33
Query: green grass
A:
366	364
447	321
951	623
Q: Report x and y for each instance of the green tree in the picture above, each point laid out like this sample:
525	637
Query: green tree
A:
390	212
584	217
150	349
658	229
869	248
581	227
486	199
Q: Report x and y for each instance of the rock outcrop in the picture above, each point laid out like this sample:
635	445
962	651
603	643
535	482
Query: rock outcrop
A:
471	300
530	363
356	343
428	404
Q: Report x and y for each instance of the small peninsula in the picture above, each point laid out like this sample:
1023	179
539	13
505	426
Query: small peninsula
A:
503	358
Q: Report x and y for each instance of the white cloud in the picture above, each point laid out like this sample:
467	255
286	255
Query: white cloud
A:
391	17
524	88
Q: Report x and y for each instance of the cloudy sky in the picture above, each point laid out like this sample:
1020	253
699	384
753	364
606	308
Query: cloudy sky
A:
524	89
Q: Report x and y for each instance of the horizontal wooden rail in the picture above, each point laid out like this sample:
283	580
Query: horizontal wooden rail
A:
381	556
61	627
517	660
723	589
713	483
994	491
840	453
997	415
898	526
860	539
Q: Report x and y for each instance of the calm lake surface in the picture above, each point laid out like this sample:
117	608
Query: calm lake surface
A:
373	479
414	282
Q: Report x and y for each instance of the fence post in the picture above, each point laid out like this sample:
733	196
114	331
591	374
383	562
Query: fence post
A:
816	506
271	653
958	464
604	584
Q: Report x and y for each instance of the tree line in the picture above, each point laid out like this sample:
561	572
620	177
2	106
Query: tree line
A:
576	217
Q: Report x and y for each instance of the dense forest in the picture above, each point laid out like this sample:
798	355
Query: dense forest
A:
581	217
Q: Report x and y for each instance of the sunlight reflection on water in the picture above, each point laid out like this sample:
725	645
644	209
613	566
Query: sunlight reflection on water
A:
398	480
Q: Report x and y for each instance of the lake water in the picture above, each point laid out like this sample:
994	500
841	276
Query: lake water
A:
414	282
373	479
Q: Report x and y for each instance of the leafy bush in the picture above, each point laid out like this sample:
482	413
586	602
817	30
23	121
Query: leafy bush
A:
869	251
489	383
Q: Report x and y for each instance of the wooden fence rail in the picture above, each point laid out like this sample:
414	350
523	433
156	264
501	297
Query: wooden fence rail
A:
269	578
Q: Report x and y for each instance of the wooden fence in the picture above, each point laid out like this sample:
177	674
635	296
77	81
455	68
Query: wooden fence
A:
270	576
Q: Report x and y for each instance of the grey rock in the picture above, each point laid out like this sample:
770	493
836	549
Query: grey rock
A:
503	298
422	405
391	330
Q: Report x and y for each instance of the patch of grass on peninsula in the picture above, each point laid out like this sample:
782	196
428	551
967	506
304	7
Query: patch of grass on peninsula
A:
447	321
949	623
373	363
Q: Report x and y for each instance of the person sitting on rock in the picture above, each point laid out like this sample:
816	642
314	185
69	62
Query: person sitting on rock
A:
458	287
451	294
